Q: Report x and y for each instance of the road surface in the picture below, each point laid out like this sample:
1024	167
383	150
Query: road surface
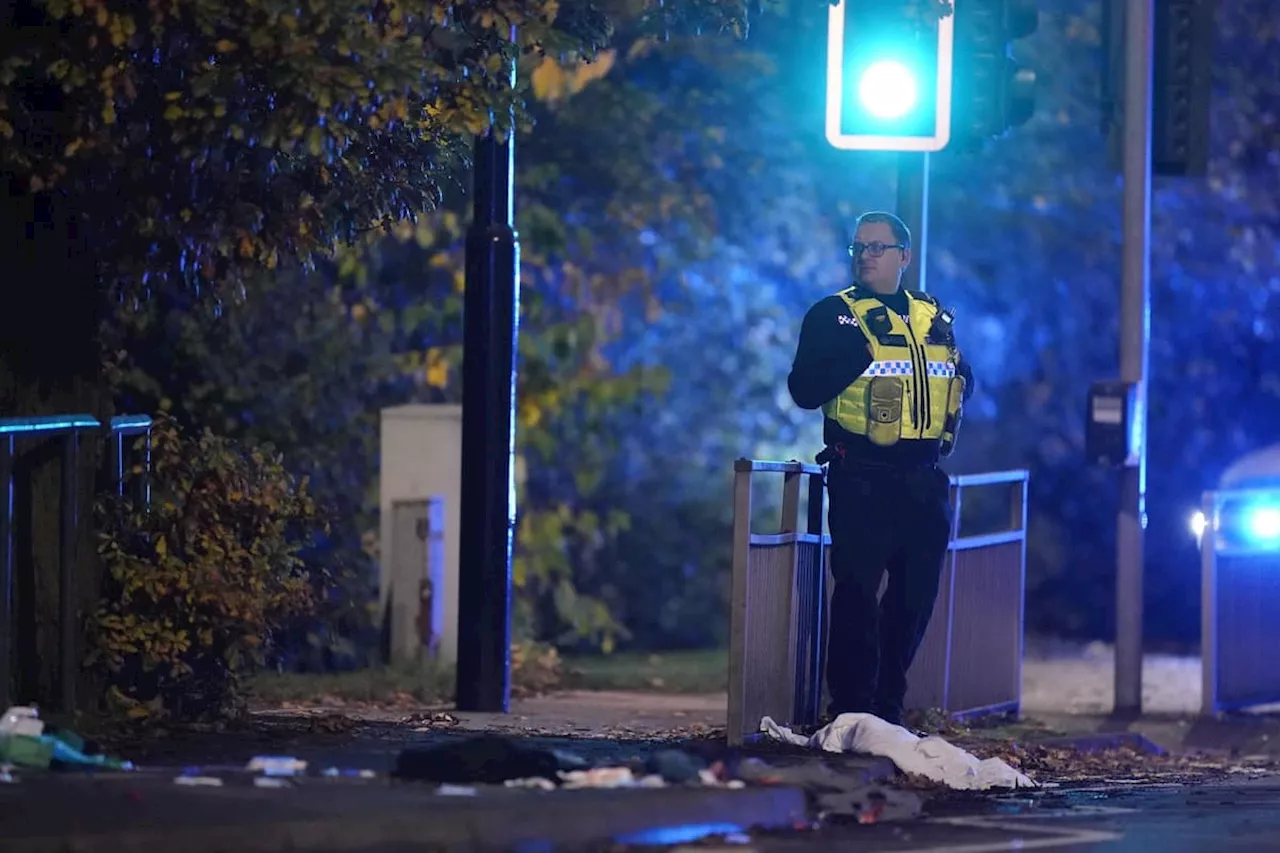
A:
1215	818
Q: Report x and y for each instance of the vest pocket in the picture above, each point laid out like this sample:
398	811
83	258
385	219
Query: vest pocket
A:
884	410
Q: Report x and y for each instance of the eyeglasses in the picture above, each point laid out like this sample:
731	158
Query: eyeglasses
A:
875	249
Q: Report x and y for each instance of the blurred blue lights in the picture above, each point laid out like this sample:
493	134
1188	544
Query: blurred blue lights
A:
1262	525
1245	522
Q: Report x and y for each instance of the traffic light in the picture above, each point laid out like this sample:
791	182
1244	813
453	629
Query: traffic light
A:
888	77
1182	60
1184	33
993	93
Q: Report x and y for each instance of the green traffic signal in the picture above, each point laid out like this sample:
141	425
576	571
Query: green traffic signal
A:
887	89
888	78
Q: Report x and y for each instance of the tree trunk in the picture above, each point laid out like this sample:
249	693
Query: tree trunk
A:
50	364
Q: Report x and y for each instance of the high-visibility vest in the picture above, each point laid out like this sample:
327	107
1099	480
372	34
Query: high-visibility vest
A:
912	389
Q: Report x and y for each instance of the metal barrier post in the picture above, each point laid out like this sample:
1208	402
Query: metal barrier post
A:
118	435
987	606
738	604
6	570
1240	596
956	497
68	622
123	426
68	427
972	660
1018	521
790	523
1209	608
812	709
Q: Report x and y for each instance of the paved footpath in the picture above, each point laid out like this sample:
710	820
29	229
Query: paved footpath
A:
1239	817
131	812
1081	680
148	810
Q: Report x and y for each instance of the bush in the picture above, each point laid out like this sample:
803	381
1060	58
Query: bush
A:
199	582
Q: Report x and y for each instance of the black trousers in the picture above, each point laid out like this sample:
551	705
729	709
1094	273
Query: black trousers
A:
881	519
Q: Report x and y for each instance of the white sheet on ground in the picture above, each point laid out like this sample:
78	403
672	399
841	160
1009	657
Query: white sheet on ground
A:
931	757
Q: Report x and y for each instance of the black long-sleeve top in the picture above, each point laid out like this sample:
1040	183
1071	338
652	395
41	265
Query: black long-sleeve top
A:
831	354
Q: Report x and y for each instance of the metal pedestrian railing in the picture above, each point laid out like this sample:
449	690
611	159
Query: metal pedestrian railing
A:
68	429
970	661
1240	599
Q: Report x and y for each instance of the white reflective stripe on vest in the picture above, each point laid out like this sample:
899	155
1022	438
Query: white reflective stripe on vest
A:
889	368
944	369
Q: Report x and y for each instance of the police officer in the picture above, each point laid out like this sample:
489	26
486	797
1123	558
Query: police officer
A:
882	364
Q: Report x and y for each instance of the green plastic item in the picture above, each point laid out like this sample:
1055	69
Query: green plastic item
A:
38	752
27	751
68	737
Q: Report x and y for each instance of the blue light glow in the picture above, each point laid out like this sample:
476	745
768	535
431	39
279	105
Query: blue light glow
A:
887	89
1262	525
63	423
838	94
682	834
1246	522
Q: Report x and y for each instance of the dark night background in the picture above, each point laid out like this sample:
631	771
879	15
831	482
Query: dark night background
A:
679	210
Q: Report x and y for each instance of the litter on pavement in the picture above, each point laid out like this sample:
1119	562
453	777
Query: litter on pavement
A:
931	757
277	765
26	742
496	760
198	781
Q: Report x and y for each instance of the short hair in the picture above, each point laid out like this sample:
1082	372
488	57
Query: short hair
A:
901	232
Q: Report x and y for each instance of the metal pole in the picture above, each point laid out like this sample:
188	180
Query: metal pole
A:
817	664
913	209
117	439
146	477
68	530
6	570
487	522
1135	333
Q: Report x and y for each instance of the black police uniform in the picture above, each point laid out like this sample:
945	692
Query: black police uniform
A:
889	511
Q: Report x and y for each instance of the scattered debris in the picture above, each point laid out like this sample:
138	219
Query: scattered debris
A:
535	782
866	804
930	757
21	720
270	765
431	721
486	760
332	772
198	781
676	766
496	760
1064	764
601	777
456	791
26	741
271	782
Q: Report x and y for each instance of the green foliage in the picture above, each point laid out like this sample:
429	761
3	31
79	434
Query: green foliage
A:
198	583
622	145
201	141
677	219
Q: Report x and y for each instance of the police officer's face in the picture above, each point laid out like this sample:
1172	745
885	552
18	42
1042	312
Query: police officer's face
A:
883	272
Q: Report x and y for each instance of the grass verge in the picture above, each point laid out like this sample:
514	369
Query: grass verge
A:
426	685
698	671
534	672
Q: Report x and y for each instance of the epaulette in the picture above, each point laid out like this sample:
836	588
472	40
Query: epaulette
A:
922	296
